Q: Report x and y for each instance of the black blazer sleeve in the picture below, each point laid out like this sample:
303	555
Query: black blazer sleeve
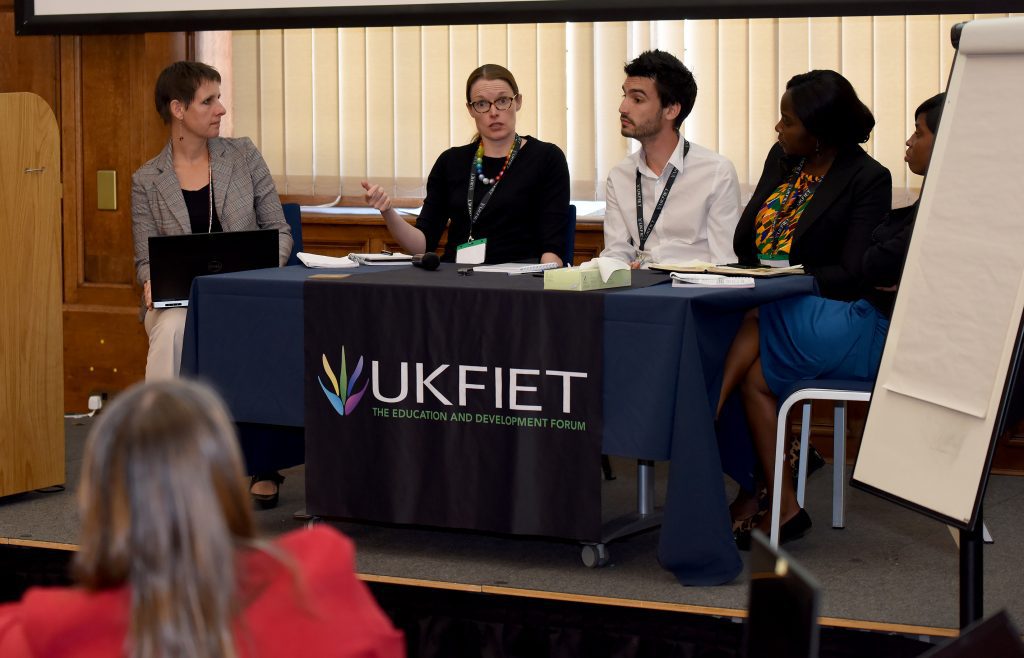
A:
832	246
835	229
883	261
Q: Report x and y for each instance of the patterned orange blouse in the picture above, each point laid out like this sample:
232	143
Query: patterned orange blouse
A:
776	221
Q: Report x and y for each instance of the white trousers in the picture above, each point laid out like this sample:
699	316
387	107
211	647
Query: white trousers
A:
166	329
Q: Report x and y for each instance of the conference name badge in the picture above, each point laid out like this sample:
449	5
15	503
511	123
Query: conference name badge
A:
774	260
473	252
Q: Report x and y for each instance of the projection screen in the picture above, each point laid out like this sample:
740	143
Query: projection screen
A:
118	16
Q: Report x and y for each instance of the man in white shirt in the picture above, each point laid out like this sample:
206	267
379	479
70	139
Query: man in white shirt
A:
687	196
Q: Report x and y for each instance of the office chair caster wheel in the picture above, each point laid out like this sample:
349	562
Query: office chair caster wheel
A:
313	521
595	555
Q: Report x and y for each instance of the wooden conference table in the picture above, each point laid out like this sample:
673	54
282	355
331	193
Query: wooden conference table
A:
427	428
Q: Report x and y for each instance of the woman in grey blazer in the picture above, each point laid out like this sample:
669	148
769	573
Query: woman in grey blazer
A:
199	183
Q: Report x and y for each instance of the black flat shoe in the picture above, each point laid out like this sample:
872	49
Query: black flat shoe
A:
796	527
266	501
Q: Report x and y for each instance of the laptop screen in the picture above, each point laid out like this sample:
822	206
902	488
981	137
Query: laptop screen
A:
174	260
782	617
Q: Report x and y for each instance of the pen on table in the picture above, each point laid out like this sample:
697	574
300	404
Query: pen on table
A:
385	252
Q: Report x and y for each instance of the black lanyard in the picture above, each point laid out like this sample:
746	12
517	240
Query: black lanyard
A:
643	232
473	216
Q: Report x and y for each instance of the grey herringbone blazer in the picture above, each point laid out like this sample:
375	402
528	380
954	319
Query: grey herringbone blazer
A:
243	192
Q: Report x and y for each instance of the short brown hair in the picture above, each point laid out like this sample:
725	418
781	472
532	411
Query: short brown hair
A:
179	82
674	82
491	72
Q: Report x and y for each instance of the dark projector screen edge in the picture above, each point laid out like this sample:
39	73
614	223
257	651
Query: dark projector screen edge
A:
28	22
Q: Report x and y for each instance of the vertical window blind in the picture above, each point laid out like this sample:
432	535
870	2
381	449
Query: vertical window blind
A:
330	107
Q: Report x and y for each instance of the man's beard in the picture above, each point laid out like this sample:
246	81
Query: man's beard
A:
641	130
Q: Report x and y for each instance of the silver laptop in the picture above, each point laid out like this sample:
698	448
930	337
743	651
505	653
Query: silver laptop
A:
174	260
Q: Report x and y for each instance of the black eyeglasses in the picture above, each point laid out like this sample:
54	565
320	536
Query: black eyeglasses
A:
483	107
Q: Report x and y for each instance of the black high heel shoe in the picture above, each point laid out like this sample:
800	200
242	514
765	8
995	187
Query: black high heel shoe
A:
266	501
815	461
796	527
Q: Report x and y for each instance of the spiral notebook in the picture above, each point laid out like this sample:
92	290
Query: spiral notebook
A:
680	279
515	268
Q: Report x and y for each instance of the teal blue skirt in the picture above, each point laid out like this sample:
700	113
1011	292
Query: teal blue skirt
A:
817	338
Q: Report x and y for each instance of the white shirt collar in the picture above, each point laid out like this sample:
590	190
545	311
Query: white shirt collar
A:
676	160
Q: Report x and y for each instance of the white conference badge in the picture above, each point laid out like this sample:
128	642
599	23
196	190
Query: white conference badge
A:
471	253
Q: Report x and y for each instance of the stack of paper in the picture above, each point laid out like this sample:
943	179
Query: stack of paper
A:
316	260
712	280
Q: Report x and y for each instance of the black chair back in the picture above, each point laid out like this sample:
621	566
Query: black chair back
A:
293	215
569	250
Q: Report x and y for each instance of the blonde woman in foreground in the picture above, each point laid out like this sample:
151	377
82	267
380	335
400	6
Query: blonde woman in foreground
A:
170	565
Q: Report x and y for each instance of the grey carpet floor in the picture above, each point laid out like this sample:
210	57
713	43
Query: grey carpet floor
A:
889	565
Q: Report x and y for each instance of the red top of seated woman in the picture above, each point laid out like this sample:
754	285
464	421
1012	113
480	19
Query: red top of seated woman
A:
304	600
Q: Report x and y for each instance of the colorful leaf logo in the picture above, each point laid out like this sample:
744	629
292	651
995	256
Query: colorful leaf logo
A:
342	398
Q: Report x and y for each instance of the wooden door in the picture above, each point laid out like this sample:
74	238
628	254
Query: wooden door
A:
31	331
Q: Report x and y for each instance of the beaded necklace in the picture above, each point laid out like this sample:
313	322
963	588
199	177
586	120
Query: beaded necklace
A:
478	161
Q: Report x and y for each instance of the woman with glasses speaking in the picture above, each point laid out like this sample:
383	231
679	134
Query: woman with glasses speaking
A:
503	197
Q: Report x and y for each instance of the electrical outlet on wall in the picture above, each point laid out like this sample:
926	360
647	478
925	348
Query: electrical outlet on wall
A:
96	400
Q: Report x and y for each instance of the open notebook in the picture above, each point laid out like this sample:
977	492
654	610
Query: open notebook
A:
700	267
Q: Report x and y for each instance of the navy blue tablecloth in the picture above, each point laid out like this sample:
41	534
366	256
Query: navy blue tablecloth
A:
664	352
664	348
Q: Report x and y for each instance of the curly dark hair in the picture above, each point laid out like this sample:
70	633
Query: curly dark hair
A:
674	82
828	106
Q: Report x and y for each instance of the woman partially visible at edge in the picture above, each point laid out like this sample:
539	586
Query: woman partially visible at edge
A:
509	189
812	337
169	564
199	183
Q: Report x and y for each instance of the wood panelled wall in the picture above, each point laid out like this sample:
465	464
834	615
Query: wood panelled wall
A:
108	122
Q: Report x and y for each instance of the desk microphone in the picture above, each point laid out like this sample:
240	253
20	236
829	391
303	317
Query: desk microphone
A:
428	261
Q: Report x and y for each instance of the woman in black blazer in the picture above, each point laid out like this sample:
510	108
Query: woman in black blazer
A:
820	195
819	198
810	337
